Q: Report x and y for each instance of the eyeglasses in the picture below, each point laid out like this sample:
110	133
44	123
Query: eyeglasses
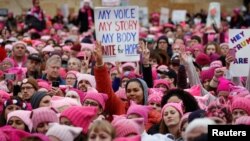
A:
28	88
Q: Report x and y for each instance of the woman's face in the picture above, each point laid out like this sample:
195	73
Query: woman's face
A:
6	65
162	45
210	49
17	123
46	101
238	113
42	127
99	136
171	117
135	92
224	50
156	106
70	79
124	82
11	108
153	62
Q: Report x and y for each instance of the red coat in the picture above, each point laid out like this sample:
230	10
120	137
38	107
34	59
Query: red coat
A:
3	54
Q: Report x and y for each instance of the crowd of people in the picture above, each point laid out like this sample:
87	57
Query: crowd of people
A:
55	86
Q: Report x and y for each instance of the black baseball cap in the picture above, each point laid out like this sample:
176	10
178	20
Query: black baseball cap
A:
35	57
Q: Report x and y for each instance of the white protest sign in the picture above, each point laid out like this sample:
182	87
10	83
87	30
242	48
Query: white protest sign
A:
213	14
111	2
143	16
164	15
239	39
179	16
117	28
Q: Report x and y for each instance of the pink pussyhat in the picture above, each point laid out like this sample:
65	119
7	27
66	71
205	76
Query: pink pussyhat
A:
155	96
8	133
139	110
239	91
216	64
87	46
66	48
177	106
62	103
134	138
161	81
98	97
224	85
44	84
77	93
194	90
244	120
23	115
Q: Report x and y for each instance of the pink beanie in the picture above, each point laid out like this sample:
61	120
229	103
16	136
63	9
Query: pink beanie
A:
194	90
98	97
78	93
239	91
140	110
134	138
224	85
245	120
32	50
63	132
216	64
155	95
87	77
8	133
36	43
129	64
207	74
72	72
87	46
61	103
202	59
124	127
43	84
42	137
23	115
10	60
80	116
66	48
177	106
20	42
129	75
241	103
161	81
48	48
43	114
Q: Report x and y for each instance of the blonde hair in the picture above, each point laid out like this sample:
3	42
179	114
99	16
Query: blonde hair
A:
102	125
54	59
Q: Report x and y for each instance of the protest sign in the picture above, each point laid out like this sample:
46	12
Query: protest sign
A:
179	16
117	28
239	39
164	15
143	16
213	14
111	2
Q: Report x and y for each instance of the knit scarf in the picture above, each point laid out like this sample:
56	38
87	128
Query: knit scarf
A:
37	12
89	13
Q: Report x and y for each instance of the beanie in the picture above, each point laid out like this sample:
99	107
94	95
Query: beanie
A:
8	133
79	94
42	137
207	74
23	115
98	97
62	103
202	59
63	132
18	43
80	116
216	64
161	81
15	101
87	77
36	99
214	57
43	114
87	46
177	106
241	103
224	85
245	120
139	110
31	81
124	127
155	95
129	75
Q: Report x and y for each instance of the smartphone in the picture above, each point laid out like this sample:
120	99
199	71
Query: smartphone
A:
10	76
55	84
232	52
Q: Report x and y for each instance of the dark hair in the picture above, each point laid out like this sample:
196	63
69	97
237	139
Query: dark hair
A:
162	38
189	102
195	37
155	55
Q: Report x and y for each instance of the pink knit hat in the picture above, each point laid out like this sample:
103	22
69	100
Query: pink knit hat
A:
43	84
32	50
76	92
202	59
36	43
207	74
241	103
63	132
48	48
216	64
72	72
87	77
162	81
239	91
10	60
87	46
20	42
66	48
98	97
134	138
155	95
130	65
245	120
43	114
140	110
177	106
42	137
194	90
61	103
124	127
80	116
224	85
23	115
8	133
129	75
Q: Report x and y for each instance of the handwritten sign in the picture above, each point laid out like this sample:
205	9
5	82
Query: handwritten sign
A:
164	15
143	16
117	28
179	16
213	14
239	39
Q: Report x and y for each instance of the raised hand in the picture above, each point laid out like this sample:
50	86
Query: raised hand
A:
98	53
145	53
183	54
